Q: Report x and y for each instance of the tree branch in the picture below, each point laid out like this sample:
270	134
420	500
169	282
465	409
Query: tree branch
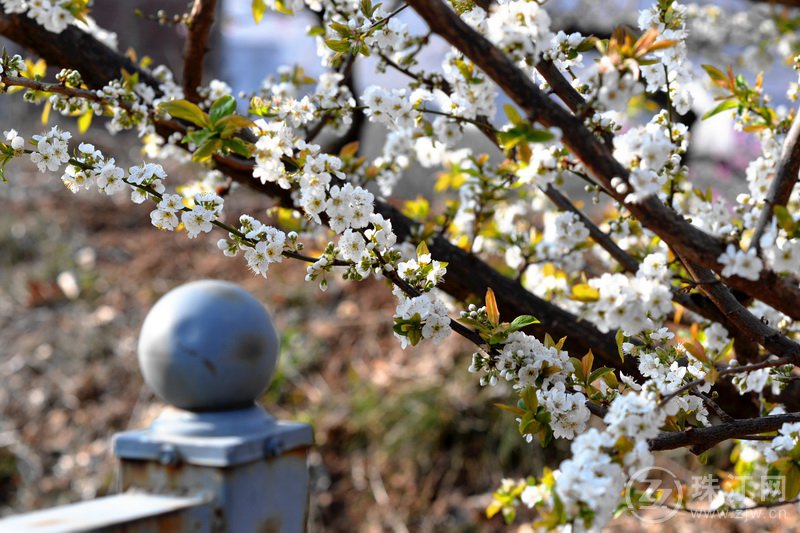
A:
702	439
783	183
73	48
685	238
199	25
745	322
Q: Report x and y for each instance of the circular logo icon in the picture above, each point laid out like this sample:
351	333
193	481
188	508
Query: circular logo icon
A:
649	491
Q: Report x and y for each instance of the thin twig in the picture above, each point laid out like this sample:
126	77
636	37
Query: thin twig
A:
728	370
707	512
720	412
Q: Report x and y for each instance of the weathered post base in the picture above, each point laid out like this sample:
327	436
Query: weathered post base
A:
247	467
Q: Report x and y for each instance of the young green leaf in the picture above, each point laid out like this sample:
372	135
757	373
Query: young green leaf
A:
185	110
722	106
222	107
522	321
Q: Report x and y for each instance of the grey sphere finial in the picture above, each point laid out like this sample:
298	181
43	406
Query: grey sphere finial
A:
208	346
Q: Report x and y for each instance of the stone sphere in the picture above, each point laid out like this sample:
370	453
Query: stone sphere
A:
208	346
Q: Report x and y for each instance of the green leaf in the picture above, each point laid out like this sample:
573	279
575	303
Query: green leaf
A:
224	106
587	44
185	110
366	8
522	321
512	115
259	7
528	424
723	106
599	373
784	219
338	45
281	7
497	338
578	368
227	126
520	133
510	138
538	136
792	482
342	29
509	515
198	137
237	146
528	396
206	150
510	408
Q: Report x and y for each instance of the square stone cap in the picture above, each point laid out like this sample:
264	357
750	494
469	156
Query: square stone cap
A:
216	439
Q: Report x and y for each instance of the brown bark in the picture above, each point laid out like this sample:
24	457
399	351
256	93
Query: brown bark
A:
693	243
199	25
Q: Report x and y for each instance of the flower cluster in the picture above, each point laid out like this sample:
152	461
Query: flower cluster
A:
497	206
54	15
647	150
519	28
737	262
15	141
390	107
785	443
421	317
52	149
673	70
631	304
262	244
589	484
776	378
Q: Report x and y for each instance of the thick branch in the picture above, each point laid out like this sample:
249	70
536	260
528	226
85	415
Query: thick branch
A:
701	439
744	321
690	241
785	178
73	48
199	25
561	86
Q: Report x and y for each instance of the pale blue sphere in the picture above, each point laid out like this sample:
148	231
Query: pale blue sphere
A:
208	346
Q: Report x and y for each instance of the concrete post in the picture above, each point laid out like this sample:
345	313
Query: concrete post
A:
209	350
